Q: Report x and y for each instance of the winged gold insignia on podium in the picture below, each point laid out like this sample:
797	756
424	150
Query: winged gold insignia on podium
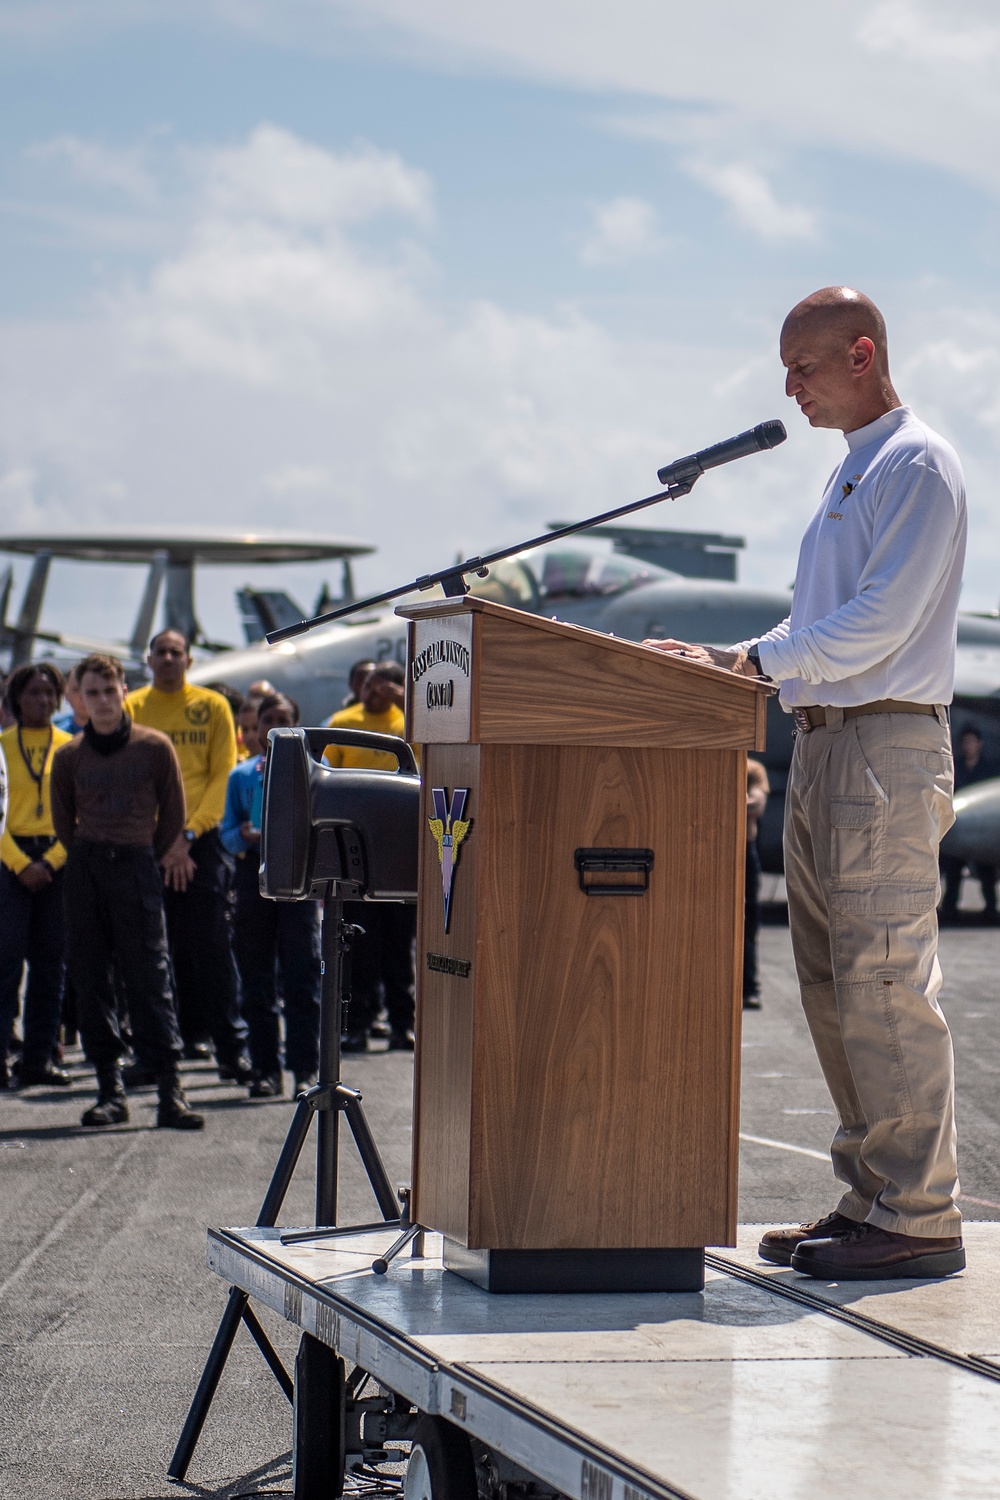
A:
448	829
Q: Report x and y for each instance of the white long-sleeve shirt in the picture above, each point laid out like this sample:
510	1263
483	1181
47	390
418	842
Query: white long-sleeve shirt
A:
875	607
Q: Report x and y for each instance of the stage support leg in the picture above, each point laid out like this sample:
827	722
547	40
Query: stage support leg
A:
320	1437
214	1366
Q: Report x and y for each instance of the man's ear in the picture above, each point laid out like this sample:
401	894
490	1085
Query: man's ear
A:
862	355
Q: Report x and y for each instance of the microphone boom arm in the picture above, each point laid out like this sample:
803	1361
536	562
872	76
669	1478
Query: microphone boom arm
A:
452	579
683	476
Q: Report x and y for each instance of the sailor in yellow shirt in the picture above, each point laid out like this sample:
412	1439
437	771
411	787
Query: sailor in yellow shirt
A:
381	960
31	865
380	710
197	870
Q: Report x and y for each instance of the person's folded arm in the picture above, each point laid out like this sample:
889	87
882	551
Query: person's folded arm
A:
62	800
170	801
221	760
236	814
11	853
55	857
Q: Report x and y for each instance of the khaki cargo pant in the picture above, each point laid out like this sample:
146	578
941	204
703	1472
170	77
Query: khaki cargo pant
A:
868	801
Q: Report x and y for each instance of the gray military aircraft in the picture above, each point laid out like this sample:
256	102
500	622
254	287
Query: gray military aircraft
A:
597	581
587	582
607	581
610	579
171	556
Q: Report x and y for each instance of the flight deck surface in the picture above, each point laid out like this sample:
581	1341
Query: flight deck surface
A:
767	1386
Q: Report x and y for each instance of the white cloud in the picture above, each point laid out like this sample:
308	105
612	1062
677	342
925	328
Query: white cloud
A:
17	487
282	179
152	193
918	82
705	140
290	478
906	30
901	78
124	169
266	271
624	229
273	363
748	194
275	368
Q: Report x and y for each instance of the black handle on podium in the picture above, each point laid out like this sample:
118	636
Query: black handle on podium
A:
589	862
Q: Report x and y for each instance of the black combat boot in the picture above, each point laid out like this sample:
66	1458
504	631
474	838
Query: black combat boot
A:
44	1074
112	1106
174	1112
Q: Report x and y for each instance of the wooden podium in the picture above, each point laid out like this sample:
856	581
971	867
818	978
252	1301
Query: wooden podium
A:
576	1108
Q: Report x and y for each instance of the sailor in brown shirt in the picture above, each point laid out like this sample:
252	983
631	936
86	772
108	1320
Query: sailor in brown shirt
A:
118	807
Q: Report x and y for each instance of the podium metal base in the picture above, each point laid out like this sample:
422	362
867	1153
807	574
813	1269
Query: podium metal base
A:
578	1270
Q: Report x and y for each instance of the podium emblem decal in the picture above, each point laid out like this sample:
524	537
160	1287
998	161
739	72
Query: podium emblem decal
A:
448	827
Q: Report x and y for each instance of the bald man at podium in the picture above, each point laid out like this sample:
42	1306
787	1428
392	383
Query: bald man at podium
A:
865	663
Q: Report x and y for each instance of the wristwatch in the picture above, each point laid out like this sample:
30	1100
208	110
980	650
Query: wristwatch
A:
189	833
754	655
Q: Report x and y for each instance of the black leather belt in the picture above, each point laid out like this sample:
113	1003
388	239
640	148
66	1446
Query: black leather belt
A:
95	849
814	717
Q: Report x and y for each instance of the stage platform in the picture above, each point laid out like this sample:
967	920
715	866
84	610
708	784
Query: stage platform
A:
766	1386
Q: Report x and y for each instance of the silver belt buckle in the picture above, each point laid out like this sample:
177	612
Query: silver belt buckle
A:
801	719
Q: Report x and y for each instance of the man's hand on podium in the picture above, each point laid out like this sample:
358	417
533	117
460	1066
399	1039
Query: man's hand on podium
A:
708	656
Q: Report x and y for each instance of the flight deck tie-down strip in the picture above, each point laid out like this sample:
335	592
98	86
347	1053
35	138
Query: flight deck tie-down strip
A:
908	1343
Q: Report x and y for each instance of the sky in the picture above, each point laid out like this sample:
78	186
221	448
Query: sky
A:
433	274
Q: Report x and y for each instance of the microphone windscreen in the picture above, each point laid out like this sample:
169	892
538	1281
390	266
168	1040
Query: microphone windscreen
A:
770	434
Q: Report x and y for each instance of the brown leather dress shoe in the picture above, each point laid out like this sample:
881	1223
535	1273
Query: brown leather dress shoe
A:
779	1245
872	1254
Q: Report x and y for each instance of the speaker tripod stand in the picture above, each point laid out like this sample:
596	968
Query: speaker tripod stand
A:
325	1103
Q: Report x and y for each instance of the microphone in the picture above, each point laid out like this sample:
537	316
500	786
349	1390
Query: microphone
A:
764	435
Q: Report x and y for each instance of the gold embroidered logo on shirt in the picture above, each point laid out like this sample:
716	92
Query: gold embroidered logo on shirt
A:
198	713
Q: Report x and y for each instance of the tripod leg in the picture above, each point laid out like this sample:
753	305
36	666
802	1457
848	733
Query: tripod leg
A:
381	1265
267	1349
237	1308
286	1164
214	1366
368	1151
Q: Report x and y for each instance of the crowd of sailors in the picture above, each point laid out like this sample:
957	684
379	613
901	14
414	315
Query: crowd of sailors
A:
130	912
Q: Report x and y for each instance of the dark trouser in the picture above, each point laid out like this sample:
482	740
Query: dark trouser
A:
751	922
267	933
952	869
382	961
202	953
114	915
31	928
